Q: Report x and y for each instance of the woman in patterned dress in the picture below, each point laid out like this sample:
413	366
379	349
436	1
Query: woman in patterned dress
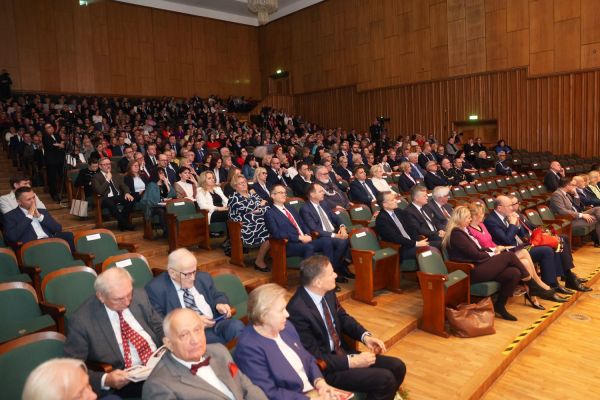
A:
249	209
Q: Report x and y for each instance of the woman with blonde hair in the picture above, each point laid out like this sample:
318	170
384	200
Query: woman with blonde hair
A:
210	197
503	267
376	174
260	183
478	230
270	353
594	177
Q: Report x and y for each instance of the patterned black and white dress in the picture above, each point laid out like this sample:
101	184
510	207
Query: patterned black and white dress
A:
251	214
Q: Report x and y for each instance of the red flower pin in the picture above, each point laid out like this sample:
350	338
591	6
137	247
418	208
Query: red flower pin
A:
233	369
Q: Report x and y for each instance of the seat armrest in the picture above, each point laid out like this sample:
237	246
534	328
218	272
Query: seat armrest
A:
465	267
87	258
131	247
57	312
392	245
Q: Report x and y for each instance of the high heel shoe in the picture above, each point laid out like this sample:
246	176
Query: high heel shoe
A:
534	304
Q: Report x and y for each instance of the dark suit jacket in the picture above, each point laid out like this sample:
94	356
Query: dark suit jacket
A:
280	227
343	172
439	220
128	180
172	380
311	217
263	362
425	158
588	198
358	194
163	296
18	228
91	337
149	164
53	155
260	191
502	168
300	186
123	164
462	249
501	234
551	181
413	171
101	186
405	183
273	179
417	223
313	331
388	231
432	180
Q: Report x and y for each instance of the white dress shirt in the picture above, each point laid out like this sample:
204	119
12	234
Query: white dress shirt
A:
36	224
135	325
208	374
199	299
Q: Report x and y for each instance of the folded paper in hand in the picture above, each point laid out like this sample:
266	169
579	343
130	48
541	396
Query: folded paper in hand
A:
139	373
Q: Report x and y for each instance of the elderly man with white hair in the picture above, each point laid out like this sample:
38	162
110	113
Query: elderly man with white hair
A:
116	326
439	207
191	369
59	379
502	167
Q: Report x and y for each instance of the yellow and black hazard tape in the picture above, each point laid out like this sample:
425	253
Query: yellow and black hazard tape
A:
529	329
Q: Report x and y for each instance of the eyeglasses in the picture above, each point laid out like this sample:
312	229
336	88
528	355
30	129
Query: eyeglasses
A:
186	275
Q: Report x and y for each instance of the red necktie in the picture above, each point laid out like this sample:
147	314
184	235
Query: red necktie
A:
292	220
337	348
195	367
446	214
128	334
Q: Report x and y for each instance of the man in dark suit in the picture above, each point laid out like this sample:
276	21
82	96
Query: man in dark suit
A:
27	222
507	229
54	154
322	322
415	169
285	223
392	225
189	358
362	190
151	158
334	196
343	168
183	286
277	174
116	326
426	155
323	221
114	192
586	196
301	181
420	219
554	174
433	178
128	155
439	207
502	167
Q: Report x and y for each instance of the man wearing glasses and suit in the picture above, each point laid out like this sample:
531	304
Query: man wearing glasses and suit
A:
182	286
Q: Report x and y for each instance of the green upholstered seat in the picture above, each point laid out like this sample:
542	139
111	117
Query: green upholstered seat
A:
295	202
9	270
49	254
471	190
458	191
481	187
101	244
69	287
484	289
183	209
20	312
21	356
546	213
135	264
232	286
344	217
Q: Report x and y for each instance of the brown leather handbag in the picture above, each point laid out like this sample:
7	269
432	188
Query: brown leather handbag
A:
472	320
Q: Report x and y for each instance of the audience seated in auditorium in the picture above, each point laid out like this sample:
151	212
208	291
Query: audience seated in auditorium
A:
188	353
269	351
586	195
116	326
8	202
186	187
210	197
322	324
249	209
334	196
502	146
420	218
114	193
302	180
182	285
565	201
277	174
60	379
433	177
502	167
377	179
439	207
27	222
490	265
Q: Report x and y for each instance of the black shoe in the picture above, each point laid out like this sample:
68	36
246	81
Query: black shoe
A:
558	299
347	274
263	269
502	313
537	290
574	285
563	290
537	306
216	234
341	279
578	279
596	244
337	288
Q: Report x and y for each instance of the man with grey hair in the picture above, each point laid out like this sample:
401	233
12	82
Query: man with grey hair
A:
433	178
59	379
333	195
322	322
116	326
415	169
182	285
502	167
420	219
439	206
191	369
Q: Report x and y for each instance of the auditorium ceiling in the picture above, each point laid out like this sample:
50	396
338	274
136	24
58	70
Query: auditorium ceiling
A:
226	10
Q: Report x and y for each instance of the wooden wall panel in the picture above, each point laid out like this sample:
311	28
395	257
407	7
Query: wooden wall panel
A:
559	113
116	48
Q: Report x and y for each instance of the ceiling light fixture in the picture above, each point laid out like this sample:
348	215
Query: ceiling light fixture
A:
263	8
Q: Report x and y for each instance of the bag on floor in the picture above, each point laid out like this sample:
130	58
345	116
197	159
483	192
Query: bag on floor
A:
472	320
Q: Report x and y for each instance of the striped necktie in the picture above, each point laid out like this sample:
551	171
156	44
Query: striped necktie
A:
189	302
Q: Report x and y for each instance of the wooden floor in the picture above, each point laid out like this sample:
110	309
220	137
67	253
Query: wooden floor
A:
561	363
